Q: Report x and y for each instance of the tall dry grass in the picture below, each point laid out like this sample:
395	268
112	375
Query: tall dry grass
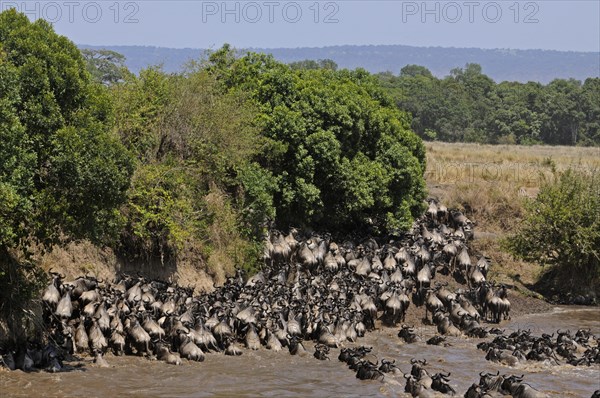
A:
491	182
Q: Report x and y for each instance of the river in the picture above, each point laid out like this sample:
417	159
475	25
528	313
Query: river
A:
267	374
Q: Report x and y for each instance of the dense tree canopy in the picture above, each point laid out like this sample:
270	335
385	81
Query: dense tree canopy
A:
61	171
312	64
340	153
469	106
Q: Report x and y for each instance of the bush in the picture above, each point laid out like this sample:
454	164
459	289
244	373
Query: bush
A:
196	195
561	229
62	174
342	156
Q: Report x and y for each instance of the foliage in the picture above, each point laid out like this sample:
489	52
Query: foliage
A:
342	155
61	172
468	106
105	66
139	105
159	212
312	64
561	227
194	145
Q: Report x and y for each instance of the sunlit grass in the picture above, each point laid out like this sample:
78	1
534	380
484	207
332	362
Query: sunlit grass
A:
490	181
520	166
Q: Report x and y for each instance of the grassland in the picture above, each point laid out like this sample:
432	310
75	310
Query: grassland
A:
490	183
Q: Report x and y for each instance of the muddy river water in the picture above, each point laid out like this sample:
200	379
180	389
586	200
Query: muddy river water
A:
266	374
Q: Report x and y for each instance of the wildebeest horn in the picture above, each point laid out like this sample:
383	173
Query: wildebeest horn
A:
413	361
480	374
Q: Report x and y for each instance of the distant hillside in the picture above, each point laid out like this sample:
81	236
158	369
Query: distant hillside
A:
500	64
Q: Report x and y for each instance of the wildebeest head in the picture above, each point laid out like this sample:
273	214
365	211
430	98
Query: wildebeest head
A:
388	366
417	367
511	383
441	383
493	354
489	381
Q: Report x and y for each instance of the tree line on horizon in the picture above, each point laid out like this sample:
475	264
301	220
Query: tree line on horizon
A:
468	106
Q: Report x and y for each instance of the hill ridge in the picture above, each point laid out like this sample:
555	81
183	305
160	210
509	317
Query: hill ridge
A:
501	64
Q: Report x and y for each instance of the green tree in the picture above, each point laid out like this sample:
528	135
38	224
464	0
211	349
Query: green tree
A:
106	66
415	70
196	193
479	97
590	106
564	116
561	230
469	106
139	108
342	154
440	109
514	117
312	64
61	171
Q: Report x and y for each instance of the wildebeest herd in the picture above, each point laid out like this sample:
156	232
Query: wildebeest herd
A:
311	288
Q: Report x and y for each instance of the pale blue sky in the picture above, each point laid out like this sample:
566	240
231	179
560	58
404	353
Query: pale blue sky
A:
549	24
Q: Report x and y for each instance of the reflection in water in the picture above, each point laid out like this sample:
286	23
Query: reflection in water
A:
266	374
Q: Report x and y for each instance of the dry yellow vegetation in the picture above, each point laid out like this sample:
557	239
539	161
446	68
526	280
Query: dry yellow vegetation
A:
490	182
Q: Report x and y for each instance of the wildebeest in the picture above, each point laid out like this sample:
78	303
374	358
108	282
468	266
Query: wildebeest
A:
441	383
496	355
515	386
408	334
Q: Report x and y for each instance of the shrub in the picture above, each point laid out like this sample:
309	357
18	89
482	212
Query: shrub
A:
561	229
196	195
